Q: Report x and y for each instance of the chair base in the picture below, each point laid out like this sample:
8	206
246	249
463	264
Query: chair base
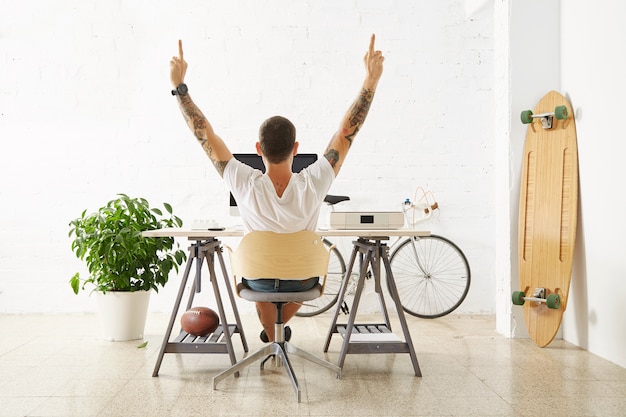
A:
280	351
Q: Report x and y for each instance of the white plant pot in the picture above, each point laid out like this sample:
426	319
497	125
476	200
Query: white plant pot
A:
123	314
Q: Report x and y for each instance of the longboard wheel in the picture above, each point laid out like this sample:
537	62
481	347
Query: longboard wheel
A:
560	112
553	301
527	117
518	298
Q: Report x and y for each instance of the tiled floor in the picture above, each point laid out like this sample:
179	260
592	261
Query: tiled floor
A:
56	365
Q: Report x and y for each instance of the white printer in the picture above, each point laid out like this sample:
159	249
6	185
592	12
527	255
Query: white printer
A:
372	220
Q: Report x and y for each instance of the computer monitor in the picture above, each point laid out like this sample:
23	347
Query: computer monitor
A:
300	161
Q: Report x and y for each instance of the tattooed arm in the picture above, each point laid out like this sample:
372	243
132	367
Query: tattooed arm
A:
212	144
353	120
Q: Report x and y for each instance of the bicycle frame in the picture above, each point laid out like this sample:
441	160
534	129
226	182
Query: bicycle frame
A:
431	272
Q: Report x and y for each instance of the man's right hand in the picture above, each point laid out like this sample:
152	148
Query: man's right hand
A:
178	67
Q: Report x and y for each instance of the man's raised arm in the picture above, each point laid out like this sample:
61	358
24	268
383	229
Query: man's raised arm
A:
353	120
212	144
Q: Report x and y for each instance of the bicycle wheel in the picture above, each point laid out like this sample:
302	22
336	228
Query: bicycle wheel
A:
432	276
336	271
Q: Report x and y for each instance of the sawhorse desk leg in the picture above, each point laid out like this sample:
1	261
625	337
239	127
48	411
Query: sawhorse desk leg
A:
371	252
219	341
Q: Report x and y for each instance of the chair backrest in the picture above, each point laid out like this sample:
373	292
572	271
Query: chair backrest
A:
298	255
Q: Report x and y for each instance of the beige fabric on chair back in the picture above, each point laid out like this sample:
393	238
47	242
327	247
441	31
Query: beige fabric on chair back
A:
298	255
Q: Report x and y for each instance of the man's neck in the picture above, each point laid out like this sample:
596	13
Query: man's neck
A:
280	174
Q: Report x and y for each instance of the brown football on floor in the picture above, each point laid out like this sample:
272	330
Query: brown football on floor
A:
199	321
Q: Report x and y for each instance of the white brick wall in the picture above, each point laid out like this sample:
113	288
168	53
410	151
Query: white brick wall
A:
85	113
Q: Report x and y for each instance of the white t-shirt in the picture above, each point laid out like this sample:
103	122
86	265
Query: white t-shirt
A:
262	209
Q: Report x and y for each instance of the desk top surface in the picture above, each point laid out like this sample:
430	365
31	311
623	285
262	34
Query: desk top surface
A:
206	234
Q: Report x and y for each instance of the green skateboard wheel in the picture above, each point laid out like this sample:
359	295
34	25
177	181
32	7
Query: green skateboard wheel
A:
526	117
518	298
560	112
553	301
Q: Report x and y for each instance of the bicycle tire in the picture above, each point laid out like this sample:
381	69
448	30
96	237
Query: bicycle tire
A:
436	284
336	271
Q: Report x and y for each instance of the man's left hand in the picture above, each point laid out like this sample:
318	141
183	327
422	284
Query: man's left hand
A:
178	67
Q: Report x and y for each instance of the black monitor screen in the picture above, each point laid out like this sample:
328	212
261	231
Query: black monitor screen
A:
300	161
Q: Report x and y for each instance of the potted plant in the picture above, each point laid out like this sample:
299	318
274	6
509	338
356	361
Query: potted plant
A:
123	265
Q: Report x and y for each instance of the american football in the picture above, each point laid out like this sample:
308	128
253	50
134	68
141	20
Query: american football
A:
199	321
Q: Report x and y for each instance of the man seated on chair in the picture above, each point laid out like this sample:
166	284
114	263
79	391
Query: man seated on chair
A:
279	200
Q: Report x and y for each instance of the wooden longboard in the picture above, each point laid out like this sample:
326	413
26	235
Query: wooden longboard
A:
547	216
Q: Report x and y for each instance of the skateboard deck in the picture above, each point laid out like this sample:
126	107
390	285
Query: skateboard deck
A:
547	215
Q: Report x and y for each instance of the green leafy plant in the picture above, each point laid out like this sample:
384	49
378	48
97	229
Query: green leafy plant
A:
118	257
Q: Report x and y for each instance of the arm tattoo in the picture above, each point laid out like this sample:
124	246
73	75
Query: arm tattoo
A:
351	136
360	108
220	166
333	157
194	118
358	113
356	117
198	124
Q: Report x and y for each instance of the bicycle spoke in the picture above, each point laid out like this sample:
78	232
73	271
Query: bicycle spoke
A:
431	274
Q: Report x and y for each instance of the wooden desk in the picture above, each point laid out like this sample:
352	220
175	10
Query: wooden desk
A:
208	234
371	250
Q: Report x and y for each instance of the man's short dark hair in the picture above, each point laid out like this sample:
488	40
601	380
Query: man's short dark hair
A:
277	136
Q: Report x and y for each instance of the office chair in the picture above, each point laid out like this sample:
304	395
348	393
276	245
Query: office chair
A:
284	256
